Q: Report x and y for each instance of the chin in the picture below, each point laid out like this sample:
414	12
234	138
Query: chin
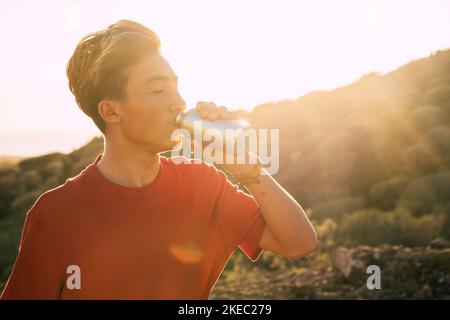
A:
170	145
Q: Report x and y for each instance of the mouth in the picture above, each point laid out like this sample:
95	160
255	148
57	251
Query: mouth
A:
175	123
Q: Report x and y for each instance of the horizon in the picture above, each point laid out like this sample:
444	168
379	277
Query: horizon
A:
285	50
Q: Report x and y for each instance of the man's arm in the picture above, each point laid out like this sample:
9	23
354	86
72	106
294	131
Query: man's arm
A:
288	230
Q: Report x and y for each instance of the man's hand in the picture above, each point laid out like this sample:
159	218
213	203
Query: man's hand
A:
210	111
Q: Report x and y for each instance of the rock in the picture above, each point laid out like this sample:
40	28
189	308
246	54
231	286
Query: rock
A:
346	262
406	273
440	243
425	292
437	259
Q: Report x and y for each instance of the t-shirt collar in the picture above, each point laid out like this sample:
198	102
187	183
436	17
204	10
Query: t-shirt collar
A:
101	183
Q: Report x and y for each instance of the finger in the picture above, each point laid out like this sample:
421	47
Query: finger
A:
213	114
223	113
211	111
203	113
222	109
201	105
211	106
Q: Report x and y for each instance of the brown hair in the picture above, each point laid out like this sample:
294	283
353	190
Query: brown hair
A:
97	68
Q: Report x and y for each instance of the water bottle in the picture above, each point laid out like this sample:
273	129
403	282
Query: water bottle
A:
239	139
231	132
191	120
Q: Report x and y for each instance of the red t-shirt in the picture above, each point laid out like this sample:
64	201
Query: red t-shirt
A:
167	240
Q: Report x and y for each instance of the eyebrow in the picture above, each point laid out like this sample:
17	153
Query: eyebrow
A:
174	78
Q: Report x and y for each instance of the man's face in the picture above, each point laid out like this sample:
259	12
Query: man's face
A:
153	101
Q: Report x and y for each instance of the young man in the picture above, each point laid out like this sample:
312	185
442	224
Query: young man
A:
134	224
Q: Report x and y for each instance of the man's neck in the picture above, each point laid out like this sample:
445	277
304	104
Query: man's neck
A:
130	168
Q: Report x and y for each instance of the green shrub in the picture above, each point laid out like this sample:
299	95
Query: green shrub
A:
425	194
385	194
23	203
427	117
326	232
9	244
336	208
30	180
9	185
54	168
439	139
439	96
374	227
419	159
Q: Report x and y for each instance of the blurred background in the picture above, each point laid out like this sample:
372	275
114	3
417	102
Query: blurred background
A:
360	91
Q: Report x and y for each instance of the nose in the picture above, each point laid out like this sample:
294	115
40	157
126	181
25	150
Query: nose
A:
179	104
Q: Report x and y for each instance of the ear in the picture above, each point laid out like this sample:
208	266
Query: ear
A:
109	110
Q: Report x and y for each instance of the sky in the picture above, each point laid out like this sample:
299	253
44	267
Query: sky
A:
236	53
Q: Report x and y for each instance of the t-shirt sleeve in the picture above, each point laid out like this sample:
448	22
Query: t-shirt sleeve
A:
240	220
35	272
